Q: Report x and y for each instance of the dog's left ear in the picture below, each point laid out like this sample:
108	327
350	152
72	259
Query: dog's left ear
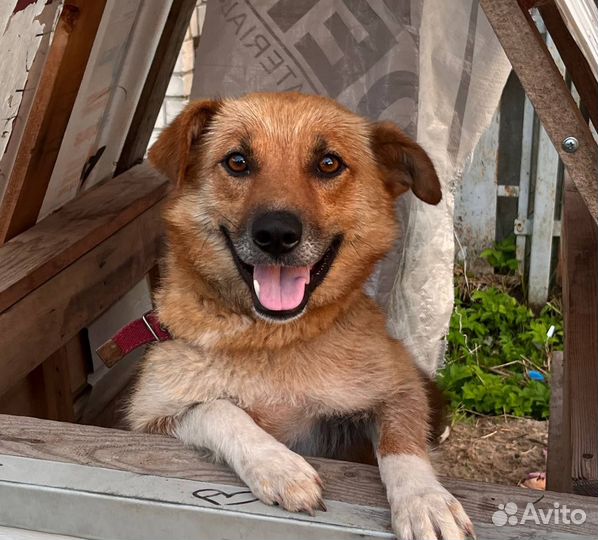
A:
404	163
171	152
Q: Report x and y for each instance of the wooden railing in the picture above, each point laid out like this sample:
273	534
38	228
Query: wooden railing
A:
61	274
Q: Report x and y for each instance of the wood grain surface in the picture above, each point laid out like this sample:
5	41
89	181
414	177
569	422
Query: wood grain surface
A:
41	252
348	482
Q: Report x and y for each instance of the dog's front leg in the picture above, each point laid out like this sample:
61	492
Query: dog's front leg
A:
274	473
421	508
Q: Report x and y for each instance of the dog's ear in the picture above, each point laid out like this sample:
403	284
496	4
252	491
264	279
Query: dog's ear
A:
404	163
170	153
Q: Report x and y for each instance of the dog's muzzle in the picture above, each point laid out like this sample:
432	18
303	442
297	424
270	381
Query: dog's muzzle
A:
280	291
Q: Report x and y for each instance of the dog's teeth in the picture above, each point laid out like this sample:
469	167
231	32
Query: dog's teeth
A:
256	286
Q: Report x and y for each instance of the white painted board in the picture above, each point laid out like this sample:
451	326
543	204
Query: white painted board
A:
114	78
24	43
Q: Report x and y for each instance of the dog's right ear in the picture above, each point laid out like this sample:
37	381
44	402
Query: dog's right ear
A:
170	153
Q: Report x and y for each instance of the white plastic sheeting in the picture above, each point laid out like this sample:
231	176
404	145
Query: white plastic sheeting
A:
432	66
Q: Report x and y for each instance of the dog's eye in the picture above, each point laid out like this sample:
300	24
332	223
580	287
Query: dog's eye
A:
236	164
330	166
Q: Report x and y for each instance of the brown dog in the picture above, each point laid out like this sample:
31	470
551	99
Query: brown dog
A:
283	205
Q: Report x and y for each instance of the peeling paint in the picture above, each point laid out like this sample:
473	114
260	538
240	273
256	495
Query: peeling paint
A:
19	43
24	41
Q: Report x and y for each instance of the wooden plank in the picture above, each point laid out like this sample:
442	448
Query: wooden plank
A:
548	92
525	179
40	253
347	482
28	38
58	379
46	319
577	65
580	299
542	237
558	460
581	18
47	122
156	84
121	57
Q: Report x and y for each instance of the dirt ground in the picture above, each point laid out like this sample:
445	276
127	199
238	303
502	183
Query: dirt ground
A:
493	449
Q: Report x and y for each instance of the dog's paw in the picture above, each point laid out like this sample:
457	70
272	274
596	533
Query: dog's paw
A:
421	509
279	476
429	514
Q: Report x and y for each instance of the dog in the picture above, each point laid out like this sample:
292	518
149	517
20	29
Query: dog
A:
282	205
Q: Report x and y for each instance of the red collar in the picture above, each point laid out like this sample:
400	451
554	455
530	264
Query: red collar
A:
140	332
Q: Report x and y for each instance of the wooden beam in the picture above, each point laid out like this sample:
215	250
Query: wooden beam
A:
46	124
577	65
347	482
38	254
156	84
44	320
54	243
548	92
580	299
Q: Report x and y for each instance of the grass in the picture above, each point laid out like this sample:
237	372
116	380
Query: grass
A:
499	350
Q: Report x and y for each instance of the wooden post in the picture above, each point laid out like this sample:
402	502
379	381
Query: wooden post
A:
580	298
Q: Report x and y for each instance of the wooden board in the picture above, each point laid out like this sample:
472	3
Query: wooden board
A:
44	320
48	119
40	253
156	84
108	96
577	65
581	18
580	299
25	43
347	482
548	92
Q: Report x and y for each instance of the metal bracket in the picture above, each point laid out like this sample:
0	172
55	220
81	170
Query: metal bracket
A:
524	227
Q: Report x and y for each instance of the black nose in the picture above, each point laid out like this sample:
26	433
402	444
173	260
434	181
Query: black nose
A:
276	233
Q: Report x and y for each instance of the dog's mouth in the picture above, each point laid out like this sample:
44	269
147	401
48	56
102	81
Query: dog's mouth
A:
282	292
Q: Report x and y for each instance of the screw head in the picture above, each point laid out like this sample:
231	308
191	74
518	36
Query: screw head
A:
570	145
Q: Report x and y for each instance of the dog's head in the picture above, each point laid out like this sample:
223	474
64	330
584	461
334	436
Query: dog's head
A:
285	201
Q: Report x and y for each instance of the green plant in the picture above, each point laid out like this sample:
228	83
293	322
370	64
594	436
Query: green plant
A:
494	342
502	256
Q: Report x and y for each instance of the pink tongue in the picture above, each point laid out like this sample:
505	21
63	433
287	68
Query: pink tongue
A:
281	287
